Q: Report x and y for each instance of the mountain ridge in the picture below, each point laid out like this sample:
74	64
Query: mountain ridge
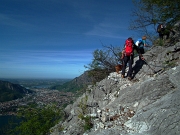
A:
10	91
77	84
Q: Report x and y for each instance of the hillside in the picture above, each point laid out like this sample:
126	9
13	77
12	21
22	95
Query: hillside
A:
148	105
10	91
77	84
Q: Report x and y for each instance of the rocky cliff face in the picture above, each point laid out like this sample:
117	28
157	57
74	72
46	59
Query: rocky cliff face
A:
147	105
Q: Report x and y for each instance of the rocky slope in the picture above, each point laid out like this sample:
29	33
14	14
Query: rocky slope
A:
148	105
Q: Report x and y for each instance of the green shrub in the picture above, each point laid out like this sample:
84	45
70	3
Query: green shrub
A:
37	121
87	125
83	104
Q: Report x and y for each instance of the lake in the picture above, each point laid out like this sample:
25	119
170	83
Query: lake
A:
5	119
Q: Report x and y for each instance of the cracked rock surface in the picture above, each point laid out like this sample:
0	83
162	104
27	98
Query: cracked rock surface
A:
147	105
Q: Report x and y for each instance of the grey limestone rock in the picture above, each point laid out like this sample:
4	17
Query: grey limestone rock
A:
147	105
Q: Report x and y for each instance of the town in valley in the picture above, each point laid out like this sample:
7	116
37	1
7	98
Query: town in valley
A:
41	96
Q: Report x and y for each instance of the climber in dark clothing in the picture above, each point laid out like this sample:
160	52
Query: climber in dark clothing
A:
165	30
160	30
129	57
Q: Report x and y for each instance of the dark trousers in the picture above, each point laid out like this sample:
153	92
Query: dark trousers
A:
161	35
141	50
129	60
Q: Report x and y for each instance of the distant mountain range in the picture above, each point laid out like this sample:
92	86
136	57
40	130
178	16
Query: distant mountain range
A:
10	91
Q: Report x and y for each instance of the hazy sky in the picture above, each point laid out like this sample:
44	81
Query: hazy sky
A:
56	38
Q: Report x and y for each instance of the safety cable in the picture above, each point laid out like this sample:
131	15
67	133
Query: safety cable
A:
154	66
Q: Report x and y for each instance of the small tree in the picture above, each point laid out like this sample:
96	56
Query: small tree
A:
148	13
144	19
168	10
104	62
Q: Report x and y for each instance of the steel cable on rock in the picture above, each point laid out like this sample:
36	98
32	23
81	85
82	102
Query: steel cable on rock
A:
154	71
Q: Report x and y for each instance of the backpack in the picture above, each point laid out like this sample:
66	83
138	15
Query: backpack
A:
139	43
129	47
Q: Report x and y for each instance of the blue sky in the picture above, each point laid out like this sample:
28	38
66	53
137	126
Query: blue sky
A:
56	38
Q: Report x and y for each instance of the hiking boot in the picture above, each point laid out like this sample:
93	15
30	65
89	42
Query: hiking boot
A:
129	78
122	76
